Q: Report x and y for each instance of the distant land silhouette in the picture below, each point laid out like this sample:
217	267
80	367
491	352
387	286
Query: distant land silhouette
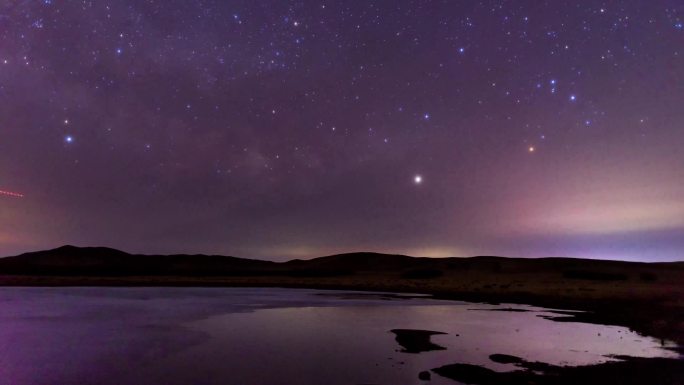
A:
101	261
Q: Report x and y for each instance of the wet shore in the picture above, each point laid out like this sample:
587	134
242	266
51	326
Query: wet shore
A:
654	315
627	371
655	309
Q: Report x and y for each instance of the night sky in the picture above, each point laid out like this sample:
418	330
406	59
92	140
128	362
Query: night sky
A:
280	130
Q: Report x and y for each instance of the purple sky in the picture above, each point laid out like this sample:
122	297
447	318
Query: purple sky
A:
279	129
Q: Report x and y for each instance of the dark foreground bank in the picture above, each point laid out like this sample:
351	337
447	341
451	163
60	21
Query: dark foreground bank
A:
628	371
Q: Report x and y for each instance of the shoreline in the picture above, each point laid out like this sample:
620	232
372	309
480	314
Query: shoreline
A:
661	316
665	369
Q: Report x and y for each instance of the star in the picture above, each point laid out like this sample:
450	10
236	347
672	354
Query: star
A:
181	94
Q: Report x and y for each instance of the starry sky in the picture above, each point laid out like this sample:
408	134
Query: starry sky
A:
294	129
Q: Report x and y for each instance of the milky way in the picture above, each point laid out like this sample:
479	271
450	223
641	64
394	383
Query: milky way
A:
282	129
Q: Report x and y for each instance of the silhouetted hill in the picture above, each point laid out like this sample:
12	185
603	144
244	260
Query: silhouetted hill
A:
351	263
71	260
102	261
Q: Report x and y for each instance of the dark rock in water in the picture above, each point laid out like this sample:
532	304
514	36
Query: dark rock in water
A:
521	363
416	341
424	375
473	374
506	359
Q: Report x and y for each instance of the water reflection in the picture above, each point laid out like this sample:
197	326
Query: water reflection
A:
274	336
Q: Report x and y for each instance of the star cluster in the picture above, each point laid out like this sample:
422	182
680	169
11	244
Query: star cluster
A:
294	129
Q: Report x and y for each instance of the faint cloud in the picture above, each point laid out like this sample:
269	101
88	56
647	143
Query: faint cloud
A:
609	218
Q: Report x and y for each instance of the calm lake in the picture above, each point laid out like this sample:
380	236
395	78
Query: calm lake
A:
275	336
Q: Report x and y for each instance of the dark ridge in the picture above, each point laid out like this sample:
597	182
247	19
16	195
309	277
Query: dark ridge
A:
422	274
349	264
101	261
360	261
594	275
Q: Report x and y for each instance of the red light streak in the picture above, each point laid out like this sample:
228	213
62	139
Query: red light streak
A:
11	194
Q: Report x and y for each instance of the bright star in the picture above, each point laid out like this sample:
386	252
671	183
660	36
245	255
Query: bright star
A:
418	179
531	149
69	139
573	98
